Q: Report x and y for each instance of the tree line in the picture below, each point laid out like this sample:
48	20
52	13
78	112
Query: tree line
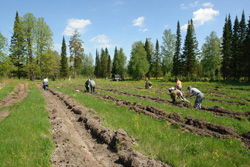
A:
31	54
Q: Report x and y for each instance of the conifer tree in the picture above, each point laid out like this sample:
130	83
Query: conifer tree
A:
157	60
176	71
17	48
149	49
115	62
97	65
104	64
109	66
64	60
76	51
247	51
190	51
235	60
243	33
226	48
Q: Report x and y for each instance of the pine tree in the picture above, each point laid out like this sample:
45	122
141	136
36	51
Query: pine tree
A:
190	51
157	60
235	60
226	48
104	64
76	51
109	66
149	49
243	33
17	48
97	65
247	51
115	62
64	60
176	71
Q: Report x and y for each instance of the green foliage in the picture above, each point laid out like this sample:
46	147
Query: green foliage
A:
190	51
157	68
25	134
138	64
51	63
76	52
115	62
98	66
64	60
121	62
17	48
226	48
167	50
104	64
246	50
149	48
211	55
176	71
88	67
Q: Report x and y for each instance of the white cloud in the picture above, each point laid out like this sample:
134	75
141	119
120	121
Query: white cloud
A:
208	4
182	6
166	26
196	3
78	24
201	16
57	46
102	41
144	30
138	21
184	27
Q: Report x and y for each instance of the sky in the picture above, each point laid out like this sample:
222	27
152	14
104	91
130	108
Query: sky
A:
110	23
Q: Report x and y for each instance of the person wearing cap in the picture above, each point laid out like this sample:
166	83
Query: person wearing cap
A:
45	83
92	85
175	93
198	94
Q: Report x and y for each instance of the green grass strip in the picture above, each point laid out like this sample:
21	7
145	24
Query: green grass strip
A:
159	140
25	133
8	87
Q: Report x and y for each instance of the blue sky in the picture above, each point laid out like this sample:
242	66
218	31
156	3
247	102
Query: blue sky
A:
110	23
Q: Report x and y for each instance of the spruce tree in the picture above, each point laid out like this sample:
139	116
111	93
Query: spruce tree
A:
243	33
17	48
64	60
97	65
148	48
104	64
115	62
226	48
190	51
235	60
157	60
176	71
247	51
109	66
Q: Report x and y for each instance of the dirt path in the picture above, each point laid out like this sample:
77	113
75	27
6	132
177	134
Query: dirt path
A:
82	140
20	93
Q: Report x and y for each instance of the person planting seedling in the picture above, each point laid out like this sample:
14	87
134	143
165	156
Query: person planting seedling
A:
198	94
176	93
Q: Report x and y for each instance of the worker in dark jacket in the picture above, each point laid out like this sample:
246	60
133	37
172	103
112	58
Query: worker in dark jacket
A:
87	85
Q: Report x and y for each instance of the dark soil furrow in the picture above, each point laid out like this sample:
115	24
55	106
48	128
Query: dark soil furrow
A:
118	141
216	109
20	93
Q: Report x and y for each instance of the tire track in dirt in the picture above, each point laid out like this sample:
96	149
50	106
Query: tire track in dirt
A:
91	144
20	93
188	123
